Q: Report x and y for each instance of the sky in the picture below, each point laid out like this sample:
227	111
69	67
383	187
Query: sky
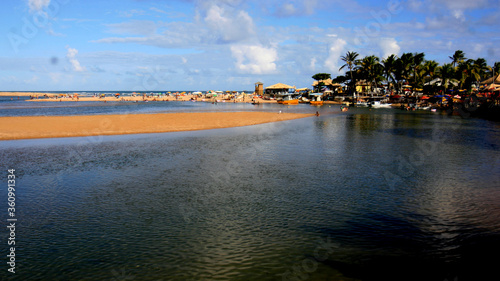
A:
145	45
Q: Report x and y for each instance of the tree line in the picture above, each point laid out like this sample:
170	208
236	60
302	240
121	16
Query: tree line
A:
414	70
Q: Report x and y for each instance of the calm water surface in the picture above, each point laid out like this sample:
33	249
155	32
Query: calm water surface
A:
361	195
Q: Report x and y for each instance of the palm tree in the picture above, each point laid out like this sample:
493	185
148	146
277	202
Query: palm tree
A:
496	68
389	67
480	69
399	73
463	72
458	57
370	69
471	71
350	60
404	68
447	74
430	69
418	59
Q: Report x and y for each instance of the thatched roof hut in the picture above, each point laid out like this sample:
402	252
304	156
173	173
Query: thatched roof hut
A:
280	86
278	89
491	80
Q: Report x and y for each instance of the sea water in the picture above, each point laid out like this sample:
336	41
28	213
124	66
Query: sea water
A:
357	195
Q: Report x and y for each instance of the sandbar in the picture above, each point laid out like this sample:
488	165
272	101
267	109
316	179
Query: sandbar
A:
33	127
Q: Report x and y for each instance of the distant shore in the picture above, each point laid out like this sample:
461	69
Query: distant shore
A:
25	94
56	97
33	127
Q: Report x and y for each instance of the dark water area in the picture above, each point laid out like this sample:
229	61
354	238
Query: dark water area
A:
358	195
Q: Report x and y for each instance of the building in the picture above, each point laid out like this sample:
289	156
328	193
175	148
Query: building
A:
279	89
259	88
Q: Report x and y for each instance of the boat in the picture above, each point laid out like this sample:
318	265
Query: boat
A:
428	107
288	100
304	100
361	103
316	100
379	104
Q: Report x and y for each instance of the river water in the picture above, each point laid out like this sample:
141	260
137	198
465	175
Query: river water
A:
357	195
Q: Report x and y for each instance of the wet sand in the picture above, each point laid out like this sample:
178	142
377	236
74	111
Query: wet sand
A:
31	127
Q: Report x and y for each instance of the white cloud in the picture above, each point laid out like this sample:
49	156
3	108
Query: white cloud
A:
32	80
312	66
455	8
389	46
288	9
140	27
296	8
254	59
229	25
38	5
463	4
415	4
55	77
332	62
71	56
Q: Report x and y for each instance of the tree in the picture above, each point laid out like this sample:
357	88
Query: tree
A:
429	70
370	69
471	71
403	69
389	67
418	59
496	68
321	76
350	60
341	79
447	74
458	57
406	63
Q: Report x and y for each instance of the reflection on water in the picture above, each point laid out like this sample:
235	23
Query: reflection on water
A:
396	196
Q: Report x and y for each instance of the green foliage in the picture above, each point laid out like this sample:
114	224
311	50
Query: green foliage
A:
321	76
414	69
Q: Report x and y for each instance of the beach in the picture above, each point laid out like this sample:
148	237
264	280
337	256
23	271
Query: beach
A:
30	127
72	97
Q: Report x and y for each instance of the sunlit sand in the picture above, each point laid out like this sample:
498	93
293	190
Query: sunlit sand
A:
30	127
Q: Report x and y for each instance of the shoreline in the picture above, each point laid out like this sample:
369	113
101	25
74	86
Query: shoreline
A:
36	127
54	97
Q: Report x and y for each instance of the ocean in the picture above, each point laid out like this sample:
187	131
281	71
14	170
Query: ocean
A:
359	195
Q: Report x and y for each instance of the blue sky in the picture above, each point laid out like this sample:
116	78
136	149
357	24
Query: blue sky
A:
145	45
